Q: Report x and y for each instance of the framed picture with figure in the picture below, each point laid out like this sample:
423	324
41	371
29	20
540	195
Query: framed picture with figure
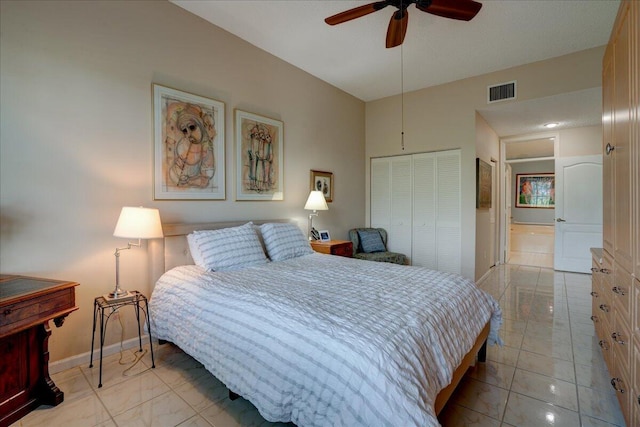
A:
322	181
535	190
189	155
259	157
324	236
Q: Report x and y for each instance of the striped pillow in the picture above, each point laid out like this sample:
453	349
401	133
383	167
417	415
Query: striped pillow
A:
227	249
284	241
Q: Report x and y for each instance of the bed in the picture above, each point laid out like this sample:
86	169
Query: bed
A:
318	339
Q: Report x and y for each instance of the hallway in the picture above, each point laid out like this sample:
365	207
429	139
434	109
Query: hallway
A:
531	245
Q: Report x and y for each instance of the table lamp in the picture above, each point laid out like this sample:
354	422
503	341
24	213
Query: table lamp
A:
316	202
134	223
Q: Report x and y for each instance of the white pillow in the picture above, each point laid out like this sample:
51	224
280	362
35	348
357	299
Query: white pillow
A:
193	248
284	241
226	249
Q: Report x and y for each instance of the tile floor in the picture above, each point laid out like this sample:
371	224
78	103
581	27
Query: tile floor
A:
549	372
531	258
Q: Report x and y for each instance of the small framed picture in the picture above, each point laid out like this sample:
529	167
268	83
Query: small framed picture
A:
324	236
323	181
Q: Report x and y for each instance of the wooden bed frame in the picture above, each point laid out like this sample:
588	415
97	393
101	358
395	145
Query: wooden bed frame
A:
173	251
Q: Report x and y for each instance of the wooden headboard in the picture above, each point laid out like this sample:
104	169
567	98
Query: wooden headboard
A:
173	250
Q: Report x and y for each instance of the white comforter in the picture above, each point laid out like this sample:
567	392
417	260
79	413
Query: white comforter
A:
323	340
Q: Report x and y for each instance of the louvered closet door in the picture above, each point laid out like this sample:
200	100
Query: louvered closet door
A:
381	193
448	213
391	200
417	198
401	188
424	247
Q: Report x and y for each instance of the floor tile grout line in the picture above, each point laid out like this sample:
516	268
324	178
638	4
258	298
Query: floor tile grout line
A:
575	372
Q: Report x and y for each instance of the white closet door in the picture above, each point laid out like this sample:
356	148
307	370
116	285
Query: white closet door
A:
401	188
381	193
424	250
448	205
417	199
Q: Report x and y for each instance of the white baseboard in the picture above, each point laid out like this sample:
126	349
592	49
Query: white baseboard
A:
485	275
83	359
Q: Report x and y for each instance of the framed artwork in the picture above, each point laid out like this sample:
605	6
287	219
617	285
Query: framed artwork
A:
324	236
259	155
535	190
322	181
188	146
483	184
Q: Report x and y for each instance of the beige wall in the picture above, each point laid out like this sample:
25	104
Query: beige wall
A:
443	117
583	141
76	138
487	148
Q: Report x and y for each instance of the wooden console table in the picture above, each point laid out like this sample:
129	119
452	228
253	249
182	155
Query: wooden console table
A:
26	306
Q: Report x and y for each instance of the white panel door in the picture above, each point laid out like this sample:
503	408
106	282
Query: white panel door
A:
507	213
578	194
448	214
424	249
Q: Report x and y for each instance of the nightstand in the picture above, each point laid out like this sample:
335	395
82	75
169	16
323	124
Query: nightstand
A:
334	247
105	307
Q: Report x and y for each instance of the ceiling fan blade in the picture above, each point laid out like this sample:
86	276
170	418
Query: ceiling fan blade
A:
397	28
463	10
356	12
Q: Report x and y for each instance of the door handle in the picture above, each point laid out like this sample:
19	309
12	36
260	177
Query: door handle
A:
560	220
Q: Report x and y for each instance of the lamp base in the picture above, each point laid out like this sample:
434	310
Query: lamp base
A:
118	293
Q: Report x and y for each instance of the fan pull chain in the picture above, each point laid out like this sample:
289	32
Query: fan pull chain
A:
402	97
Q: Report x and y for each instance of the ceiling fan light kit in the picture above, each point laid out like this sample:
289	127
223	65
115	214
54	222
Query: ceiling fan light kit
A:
463	10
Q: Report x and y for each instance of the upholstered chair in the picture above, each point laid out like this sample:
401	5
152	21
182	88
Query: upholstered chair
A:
371	244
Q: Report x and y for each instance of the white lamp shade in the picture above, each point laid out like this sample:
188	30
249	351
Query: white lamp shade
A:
316	202
139	223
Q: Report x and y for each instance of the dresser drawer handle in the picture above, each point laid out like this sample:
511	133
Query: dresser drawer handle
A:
8	311
603	344
594	269
618	338
614	384
604	308
618	290
594	294
605	271
594	318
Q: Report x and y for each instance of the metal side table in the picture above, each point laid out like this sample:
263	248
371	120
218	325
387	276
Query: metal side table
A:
106	307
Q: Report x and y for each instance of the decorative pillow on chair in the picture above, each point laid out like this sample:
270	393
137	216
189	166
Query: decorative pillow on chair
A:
226	249
284	241
371	241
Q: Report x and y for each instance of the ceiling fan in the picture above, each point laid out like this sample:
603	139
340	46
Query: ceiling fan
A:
463	10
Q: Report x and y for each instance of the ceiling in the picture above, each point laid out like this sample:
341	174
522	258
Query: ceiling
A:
352	55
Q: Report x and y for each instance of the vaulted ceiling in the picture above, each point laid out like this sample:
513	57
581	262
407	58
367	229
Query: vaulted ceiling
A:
352	55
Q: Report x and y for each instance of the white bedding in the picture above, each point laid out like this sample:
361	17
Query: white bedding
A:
323	340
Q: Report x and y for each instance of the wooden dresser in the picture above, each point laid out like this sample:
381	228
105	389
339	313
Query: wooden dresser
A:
26	306
616	268
334	247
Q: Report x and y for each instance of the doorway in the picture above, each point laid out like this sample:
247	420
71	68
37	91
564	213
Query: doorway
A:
528	227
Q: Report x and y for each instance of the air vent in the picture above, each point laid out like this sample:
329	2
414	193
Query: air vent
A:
501	92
